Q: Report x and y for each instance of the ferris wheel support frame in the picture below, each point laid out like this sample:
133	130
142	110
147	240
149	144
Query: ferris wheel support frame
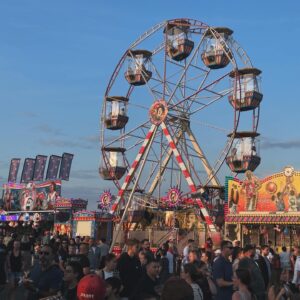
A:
145	149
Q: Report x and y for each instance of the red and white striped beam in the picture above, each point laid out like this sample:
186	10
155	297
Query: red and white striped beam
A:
188	177
133	168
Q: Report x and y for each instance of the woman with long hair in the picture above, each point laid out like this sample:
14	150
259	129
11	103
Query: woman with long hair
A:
241	280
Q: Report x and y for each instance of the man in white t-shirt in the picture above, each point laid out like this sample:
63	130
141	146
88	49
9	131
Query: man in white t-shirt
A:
296	277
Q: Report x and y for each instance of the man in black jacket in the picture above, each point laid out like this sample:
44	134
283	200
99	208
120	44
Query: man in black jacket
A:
149	283
129	268
264	265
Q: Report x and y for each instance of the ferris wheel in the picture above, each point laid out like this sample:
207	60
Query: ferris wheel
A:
183	99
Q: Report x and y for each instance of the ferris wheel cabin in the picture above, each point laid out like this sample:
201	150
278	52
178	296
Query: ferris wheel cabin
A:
113	163
246	93
216	54
138	72
243	155
116	112
179	45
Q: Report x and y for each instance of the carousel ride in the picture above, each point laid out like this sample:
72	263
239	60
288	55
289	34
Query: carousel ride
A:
183	99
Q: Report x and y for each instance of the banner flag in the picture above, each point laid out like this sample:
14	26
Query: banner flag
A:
39	167
53	166
28	168
65	167
13	170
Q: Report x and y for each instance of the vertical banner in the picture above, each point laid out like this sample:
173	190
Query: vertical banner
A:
39	167
65	167
28	168
53	166
13	170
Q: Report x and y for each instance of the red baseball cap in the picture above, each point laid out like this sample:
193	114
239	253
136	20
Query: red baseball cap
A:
91	287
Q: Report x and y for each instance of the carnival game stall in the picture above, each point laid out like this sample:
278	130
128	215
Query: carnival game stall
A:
64	209
92	223
259	210
29	205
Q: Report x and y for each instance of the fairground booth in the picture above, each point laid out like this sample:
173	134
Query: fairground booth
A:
30	204
92	223
264	209
64	210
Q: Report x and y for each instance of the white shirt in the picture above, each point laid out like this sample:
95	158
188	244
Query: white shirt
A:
296	270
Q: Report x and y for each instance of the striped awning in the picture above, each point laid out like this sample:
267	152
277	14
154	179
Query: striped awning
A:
263	219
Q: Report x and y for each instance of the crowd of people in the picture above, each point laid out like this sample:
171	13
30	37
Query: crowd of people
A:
58	267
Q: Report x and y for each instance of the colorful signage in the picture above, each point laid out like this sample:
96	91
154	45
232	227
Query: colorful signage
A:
30	196
274	194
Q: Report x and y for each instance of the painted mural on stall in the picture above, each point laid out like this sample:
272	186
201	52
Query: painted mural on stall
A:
30	196
277	193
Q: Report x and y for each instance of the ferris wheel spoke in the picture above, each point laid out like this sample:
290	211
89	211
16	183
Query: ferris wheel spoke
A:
185	69
201	89
210	103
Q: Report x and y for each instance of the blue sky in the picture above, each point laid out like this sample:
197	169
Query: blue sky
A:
56	58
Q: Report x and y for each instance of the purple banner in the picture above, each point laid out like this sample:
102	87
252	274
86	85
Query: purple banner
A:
53	167
13	170
39	167
65	167
28	169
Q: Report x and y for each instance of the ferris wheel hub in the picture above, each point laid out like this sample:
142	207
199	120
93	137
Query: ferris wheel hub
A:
158	111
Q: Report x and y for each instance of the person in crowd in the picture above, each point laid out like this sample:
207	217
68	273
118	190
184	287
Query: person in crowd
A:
206	257
208	246
3	255
265	265
26	252
257	281
164	263
237	255
149	283
145	246
104	248
72	242
113	288
129	267
144	258
46	278
177	289
241	280
222	272
169	256
77	243
91	287
72	275
63	254
276	267
71	250
15	264
190	275
46	238
205	281
94	254
109	270
236	244
82	258
186	249
296	275
193	256
217	253
285	260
